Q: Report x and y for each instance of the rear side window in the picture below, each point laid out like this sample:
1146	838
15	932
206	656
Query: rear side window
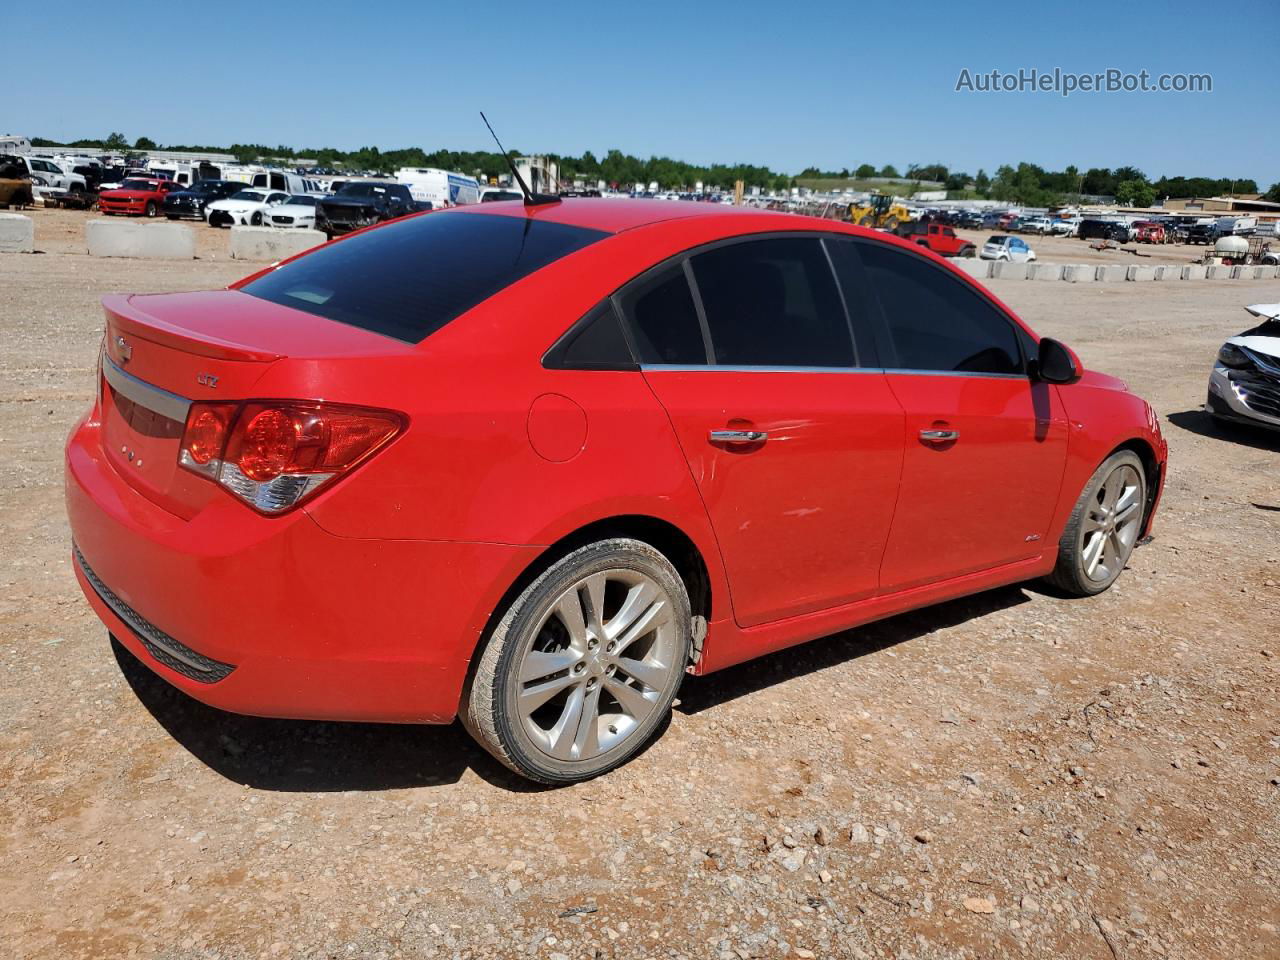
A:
410	278
664	321
935	322
773	303
595	343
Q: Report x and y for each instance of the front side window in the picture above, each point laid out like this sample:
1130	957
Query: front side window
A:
773	302
935	321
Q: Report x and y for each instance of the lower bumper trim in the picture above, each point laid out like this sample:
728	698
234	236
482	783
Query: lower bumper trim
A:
173	654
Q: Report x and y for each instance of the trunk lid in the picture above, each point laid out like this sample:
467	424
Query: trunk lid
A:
163	352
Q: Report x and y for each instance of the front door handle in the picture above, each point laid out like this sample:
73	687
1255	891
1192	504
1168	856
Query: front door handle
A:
737	436
939	436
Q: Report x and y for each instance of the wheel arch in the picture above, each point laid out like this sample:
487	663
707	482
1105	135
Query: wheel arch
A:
1151	472
673	542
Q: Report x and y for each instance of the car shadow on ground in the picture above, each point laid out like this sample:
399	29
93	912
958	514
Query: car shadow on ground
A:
703	693
1201	423
317	757
310	756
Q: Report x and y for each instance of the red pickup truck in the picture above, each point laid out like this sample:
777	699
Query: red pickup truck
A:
939	238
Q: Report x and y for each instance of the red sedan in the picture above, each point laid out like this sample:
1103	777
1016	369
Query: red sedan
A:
137	196
530	465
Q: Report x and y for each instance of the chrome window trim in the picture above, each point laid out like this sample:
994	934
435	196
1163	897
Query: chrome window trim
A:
747	368
144	394
718	368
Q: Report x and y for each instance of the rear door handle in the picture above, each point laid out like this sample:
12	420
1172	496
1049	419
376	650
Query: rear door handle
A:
737	436
939	436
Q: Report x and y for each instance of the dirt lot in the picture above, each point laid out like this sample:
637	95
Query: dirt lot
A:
1012	775
1073	250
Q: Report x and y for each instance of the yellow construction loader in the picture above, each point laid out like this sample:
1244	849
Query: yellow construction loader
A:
880	210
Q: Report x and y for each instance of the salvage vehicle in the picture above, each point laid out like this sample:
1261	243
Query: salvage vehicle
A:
363	203
1013	249
15	184
1103	230
245	208
55	182
137	197
191	201
296	213
1148	231
1244	385
941	239
530	464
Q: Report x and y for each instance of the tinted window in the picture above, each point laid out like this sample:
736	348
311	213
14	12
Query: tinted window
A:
773	303
935	321
408	279
664	321
597	343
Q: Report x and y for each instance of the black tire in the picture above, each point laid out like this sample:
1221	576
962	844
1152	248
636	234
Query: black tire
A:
1070	575
490	710
968	250
256	219
151	210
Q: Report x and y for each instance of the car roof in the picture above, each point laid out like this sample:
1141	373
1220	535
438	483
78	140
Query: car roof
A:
611	215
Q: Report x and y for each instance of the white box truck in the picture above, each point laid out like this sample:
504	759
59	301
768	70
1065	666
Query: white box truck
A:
440	188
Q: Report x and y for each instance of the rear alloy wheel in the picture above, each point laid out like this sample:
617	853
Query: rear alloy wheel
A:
1104	527
584	665
150	210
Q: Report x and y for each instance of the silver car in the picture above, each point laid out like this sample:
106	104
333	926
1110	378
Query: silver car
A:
1245	383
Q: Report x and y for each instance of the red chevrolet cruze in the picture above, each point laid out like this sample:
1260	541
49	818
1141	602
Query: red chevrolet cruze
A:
529	465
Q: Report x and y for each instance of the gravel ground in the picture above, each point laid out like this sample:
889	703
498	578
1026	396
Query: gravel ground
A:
1011	775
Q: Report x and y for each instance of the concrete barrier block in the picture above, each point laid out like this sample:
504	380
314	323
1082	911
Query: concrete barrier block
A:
978	269
269	244
1136	272
1265	272
17	233
1216	271
1079	273
1193	271
1044	271
1112	274
1239	273
129	238
1006	270
1162	272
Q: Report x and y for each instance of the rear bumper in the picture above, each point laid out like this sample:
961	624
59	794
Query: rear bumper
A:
286	619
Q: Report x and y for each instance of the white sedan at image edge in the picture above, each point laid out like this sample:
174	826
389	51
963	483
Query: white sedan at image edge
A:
296	213
1012	249
248	208
1244	386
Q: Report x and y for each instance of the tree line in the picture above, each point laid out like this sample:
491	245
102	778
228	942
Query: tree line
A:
1026	183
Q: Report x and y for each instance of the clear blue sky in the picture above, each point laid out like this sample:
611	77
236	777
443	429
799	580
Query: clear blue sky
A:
828	84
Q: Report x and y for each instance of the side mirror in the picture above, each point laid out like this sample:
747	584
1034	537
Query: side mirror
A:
1056	362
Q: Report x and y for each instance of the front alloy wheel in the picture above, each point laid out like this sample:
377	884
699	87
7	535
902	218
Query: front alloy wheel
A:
584	666
1104	527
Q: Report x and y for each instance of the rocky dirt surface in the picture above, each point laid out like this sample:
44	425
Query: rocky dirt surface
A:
1011	775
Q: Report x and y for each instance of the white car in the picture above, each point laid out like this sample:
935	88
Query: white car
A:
1012	249
1040	225
1244	386
1065	227
296	213
248	208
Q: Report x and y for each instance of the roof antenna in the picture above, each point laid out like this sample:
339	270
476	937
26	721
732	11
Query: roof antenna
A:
531	199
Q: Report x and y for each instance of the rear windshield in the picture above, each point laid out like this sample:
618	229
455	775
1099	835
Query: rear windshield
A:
409	278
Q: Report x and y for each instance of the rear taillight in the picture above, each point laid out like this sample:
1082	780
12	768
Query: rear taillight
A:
275	454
